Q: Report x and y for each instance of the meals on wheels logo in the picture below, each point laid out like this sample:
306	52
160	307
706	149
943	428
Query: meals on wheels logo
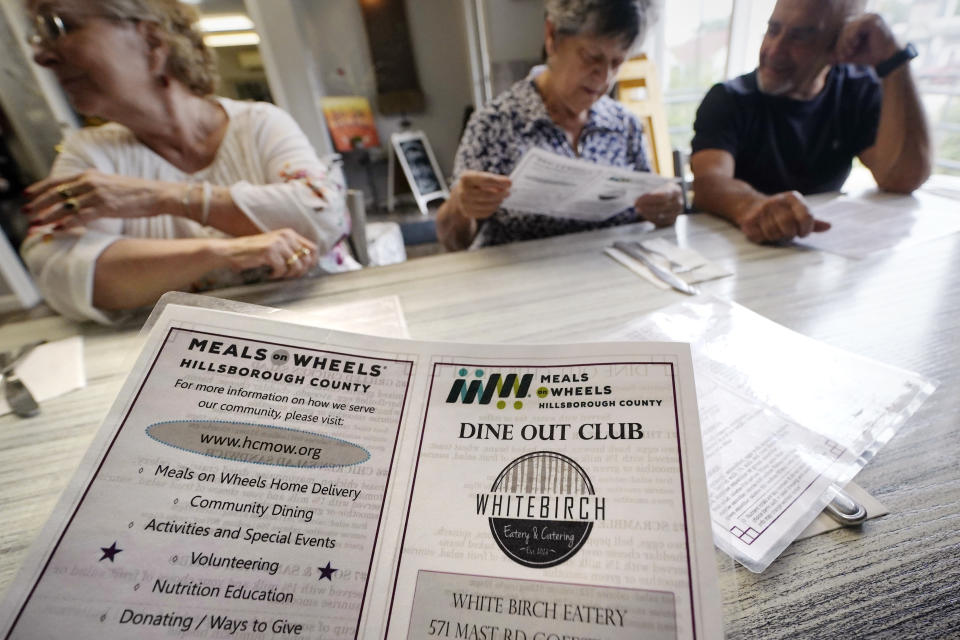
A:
541	509
482	391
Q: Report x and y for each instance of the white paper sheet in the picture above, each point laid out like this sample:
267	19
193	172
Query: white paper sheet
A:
50	370
943	186
553	185
375	317
867	224
783	418
257	479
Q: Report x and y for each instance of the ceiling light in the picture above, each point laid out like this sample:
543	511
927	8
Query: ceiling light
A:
239	39
225	22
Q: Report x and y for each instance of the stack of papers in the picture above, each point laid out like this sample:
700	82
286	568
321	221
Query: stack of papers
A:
784	418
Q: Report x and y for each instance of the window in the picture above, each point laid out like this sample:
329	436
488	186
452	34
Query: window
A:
698	43
692	57
933	26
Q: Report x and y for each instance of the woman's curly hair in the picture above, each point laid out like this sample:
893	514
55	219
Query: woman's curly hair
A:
190	61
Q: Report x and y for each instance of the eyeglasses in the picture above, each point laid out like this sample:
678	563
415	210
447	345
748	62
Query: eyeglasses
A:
50	26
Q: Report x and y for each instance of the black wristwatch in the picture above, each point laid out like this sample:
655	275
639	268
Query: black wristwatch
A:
906	54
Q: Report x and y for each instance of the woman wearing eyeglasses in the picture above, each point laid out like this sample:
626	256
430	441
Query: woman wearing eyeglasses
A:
562	108
181	190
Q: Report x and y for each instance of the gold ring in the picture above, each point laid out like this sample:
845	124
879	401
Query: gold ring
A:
292	259
303	251
71	204
64	191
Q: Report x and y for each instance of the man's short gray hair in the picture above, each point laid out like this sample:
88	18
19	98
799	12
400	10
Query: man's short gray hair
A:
624	19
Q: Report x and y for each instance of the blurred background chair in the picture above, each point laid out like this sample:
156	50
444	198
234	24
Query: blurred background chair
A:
372	243
638	89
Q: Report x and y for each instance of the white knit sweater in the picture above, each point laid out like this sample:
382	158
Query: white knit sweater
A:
261	146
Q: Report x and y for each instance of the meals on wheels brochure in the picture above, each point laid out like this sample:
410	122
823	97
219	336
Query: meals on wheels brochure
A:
259	478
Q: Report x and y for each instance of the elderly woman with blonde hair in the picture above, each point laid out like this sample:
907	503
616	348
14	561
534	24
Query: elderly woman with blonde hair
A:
181	190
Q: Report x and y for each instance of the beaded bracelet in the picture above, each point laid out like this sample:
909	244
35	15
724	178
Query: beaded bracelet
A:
186	201
205	215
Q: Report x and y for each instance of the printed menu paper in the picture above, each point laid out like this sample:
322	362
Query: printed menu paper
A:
257	478
554	185
783	417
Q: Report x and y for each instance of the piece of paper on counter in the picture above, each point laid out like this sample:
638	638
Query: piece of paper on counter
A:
693	266
51	370
824	523
943	186
376	317
865	225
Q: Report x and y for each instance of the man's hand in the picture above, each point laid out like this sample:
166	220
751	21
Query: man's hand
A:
661	207
479	193
783	216
866	40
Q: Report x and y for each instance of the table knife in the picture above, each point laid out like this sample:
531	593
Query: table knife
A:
19	398
636	252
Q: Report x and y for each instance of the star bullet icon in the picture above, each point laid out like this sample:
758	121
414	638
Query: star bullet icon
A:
110	552
326	572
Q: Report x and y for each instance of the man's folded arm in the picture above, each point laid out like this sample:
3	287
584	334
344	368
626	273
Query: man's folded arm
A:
716	191
900	158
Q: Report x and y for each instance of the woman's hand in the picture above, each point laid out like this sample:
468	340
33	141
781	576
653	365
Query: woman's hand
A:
479	194
283	253
661	207
75	200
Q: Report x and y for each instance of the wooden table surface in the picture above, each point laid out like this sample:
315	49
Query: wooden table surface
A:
897	576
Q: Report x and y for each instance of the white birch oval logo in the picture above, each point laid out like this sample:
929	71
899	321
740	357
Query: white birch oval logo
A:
541	509
257	443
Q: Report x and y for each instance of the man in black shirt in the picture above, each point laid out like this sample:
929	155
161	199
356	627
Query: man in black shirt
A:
832	84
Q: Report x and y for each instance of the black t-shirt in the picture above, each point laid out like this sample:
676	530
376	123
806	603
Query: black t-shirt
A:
781	144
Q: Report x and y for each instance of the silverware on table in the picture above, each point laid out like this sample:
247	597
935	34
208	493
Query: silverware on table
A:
21	401
844	509
675	267
638	253
19	398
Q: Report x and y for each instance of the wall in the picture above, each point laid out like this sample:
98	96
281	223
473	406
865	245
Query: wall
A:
338	43
30	96
233	74
514	31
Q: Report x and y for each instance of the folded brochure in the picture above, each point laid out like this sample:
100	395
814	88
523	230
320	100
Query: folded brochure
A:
256	478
